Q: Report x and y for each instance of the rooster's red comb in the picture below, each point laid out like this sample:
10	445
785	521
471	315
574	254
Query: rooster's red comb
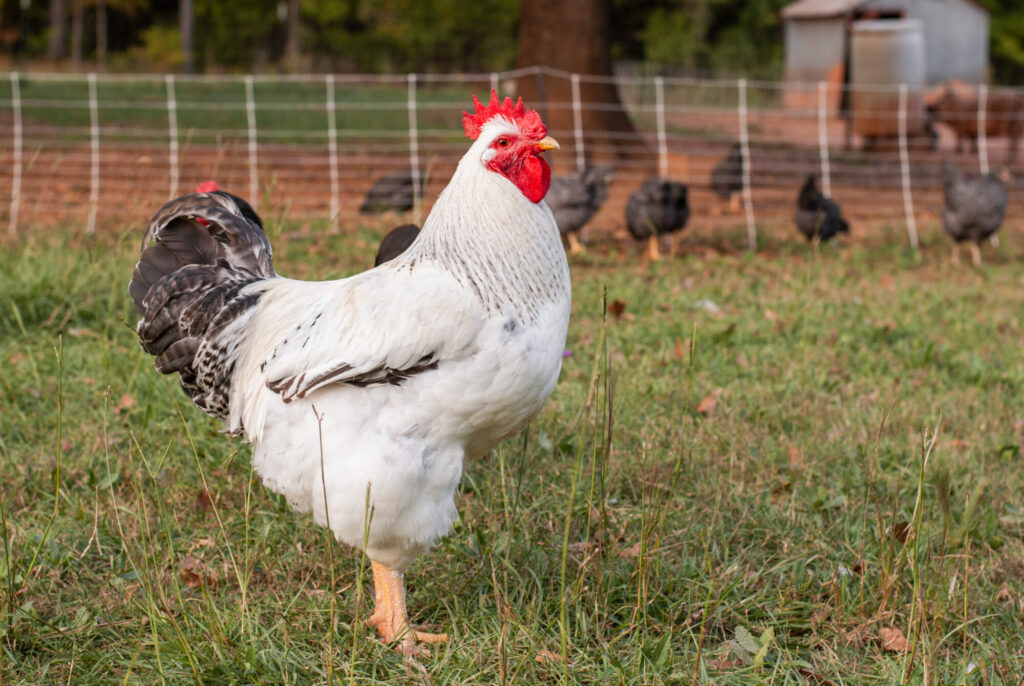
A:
528	120
207	187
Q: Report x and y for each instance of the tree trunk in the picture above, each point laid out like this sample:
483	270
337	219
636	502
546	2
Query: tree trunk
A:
101	34
58	26
292	38
186	24
575	36
77	31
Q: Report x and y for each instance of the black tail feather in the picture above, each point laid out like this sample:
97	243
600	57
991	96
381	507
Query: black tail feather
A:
199	252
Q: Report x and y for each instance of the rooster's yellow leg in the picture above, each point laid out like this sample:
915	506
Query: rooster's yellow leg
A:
975	254
575	247
734	203
652	248
390	616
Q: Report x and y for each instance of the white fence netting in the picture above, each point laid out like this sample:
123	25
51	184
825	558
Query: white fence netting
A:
104	150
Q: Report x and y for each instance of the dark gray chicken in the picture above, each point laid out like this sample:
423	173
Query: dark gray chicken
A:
575	198
727	177
658	208
817	216
974	208
393	192
395	243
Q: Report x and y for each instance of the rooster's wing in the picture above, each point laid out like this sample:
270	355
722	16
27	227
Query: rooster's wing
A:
381	326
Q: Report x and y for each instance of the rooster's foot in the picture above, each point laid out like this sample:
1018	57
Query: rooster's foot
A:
390	616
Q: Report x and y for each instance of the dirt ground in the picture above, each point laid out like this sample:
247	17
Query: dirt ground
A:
294	182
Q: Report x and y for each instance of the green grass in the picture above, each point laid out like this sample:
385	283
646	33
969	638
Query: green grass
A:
861	469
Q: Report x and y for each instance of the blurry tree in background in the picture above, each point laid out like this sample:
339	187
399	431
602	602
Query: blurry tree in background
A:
58	24
420	35
1007	41
702	37
544	26
77	33
187	29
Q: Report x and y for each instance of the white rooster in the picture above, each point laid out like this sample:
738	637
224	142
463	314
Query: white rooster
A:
387	380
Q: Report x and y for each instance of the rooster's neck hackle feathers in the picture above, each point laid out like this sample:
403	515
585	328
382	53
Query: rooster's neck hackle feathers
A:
504	248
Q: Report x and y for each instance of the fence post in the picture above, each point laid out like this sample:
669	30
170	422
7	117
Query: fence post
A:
94	170
748	203
983	140
494	81
577	123
826	172
12	225
659	113
172	132
250	113
982	125
332	148
414	142
542	97
908	200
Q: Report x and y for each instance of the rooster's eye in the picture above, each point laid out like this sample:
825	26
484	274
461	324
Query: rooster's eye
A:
503	142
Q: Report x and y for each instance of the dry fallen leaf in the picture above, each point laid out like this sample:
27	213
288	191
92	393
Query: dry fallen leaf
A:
17	357
893	639
204	501
195	573
616	308
725	662
771	316
679	352
548	656
782	492
815	677
126	402
708	404
630	552
820	615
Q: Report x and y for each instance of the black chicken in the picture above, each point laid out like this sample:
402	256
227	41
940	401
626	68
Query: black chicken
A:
817	216
393	192
727	177
657	208
396	243
575	198
974	208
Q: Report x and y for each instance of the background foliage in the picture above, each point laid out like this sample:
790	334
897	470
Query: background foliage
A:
699	36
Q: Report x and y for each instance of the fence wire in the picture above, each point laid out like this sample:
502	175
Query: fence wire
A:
106	149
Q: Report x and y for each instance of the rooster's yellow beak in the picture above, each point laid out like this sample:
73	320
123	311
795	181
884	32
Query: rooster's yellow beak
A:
547	143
